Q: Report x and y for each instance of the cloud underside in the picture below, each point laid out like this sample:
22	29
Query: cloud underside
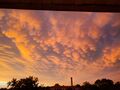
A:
57	45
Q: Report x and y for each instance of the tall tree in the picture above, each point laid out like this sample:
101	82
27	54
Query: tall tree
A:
104	84
28	83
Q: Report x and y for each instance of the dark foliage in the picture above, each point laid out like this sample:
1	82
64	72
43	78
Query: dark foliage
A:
3	89
56	85
31	83
117	86
103	84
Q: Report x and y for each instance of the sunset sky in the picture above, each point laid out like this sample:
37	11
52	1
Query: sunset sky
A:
55	45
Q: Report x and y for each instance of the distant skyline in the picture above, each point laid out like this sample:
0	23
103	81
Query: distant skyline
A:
57	45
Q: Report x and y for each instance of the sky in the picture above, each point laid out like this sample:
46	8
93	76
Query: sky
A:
57	45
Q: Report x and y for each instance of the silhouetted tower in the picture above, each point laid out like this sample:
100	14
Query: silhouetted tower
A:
71	81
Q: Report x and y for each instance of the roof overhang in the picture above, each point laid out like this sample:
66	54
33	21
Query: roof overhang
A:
63	5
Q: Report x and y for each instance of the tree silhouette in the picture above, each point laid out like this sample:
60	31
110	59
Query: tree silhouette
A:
3	89
12	83
87	86
117	86
104	84
77	85
29	83
57	85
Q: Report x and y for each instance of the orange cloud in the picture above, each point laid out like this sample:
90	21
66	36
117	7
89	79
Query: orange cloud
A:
26	18
101	19
60	45
17	33
111	55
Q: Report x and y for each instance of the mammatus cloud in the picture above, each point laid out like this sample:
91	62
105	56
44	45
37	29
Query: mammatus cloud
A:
57	45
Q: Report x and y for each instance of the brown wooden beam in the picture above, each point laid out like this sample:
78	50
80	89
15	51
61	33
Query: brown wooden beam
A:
63	5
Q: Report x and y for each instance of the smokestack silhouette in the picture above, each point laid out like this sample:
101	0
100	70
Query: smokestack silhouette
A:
71	81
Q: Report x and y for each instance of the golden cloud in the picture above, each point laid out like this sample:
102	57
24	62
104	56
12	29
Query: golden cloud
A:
69	44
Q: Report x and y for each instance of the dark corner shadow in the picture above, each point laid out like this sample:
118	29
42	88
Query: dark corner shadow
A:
63	5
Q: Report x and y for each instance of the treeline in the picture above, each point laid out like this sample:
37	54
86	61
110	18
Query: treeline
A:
31	83
103	84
